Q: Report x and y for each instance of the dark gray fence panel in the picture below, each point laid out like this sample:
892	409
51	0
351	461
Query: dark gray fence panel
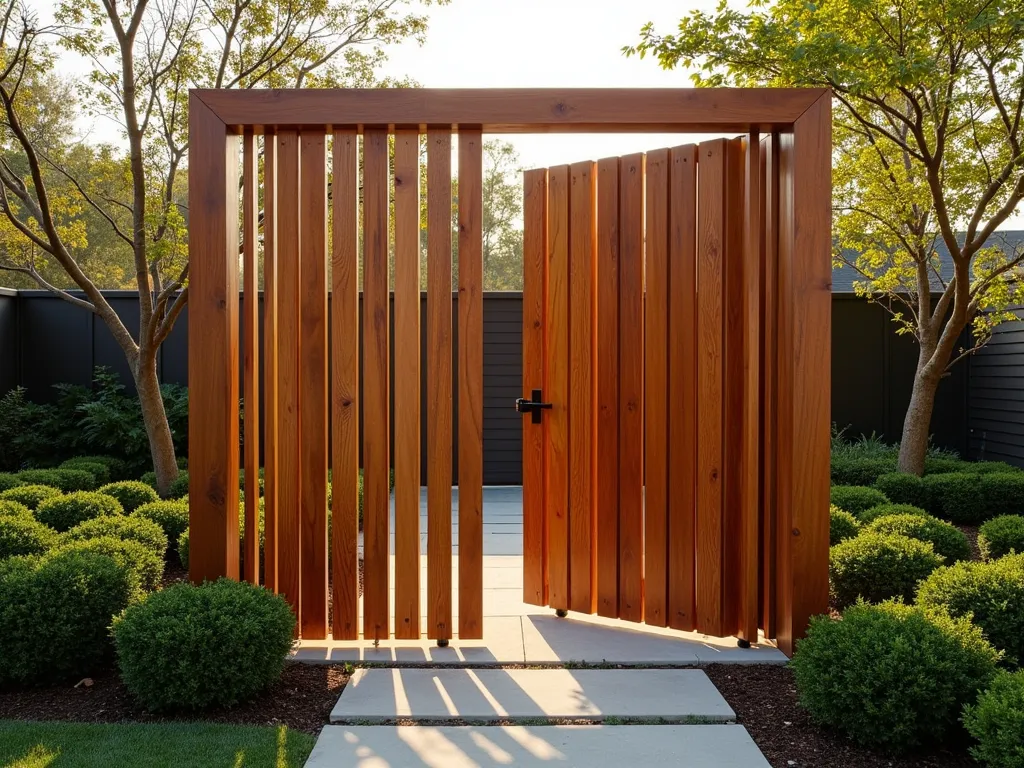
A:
996	405
9	357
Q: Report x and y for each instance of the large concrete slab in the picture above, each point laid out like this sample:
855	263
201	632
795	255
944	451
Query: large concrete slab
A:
571	746
485	695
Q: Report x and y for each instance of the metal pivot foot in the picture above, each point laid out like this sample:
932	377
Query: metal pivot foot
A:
561	613
442	643
743	643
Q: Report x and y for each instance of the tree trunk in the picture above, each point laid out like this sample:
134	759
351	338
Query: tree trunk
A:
161	444
917	424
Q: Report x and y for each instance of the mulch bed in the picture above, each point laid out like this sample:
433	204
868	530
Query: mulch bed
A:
302	699
764	699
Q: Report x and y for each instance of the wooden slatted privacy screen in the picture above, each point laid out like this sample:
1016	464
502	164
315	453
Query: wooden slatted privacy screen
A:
676	314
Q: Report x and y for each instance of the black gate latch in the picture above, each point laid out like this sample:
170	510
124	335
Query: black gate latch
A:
532	406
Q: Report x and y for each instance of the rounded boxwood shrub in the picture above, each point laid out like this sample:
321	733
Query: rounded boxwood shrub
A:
31	495
999	536
948	541
984	467
179	488
1003	493
941	465
131	493
137	557
234	636
11	507
139	529
22	535
39	477
877	567
66	480
55	614
183	548
992	593
841	525
62	513
856	498
8	481
997	722
955	496
172	516
99	471
116	467
891	676
883	510
860	470
149	478
902	488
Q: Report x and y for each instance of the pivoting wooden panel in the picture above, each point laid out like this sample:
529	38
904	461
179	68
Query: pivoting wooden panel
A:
439	384
251	357
407	385
345	385
270	357
376	463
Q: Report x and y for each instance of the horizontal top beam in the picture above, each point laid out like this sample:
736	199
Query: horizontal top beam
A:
516	110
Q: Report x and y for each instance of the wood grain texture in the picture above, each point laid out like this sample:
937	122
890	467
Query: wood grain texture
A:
519	110
471	386
535	244
607	362
710	385
439	384
556	421
582	386
631	386
682	384
251	357
313	382
213	346
270	347
407	385
288	496
345	386
376	411
656	397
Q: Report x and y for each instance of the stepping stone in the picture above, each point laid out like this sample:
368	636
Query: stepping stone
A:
586	746
483	695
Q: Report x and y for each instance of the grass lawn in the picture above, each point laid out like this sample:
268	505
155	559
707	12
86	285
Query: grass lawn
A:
82	745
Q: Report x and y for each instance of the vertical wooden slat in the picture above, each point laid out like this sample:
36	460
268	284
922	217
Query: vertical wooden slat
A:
313	382
345	386
270	349
769	172
213	346
656	400
582	386
439	384
607	375
710	391
556	421
631	386
471	385
376	464
407	385
288	496
251	358
682	384
805	279
535	219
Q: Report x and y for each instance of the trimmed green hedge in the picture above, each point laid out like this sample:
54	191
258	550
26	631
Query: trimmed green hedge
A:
902	488
131	493
997	722
22	535
9	507
1001	536
877	567
172	516
147	567
947	540
31	495
8	480
62	513
856	498
841	525
139	529
860	470
868	516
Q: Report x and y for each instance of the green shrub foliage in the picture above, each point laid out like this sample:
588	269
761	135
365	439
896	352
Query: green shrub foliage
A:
999	536
991	593
902	488
183	549
984	467
234	636
841	525
172	516
941	465
23	535
11	507
885	510
948	541
1003	493
31	495
133	555
99	470
856	498
62	513
860	470
997	722
877	567
55	615
39	477
8	481
131	493
955	496
890	676
139	529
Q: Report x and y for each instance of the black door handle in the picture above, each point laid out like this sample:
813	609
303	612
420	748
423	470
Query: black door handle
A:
533	406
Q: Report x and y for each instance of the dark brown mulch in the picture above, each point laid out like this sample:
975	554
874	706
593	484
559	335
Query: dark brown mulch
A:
971	532
764	699
302	699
